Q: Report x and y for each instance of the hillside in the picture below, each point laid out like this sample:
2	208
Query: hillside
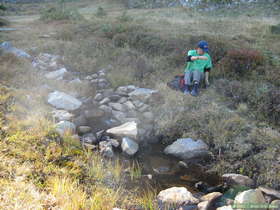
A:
96	55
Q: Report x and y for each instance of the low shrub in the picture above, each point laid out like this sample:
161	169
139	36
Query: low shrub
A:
240	62
58	13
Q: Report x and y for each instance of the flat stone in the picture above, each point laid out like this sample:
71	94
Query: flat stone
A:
175	197
187	149
125	130
64	101
129	146
211	196
238	179
57	75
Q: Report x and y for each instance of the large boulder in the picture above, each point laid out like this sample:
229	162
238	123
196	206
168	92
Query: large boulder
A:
275	205
269	191
187	149
238	179
250	197
129	146
175	197
65	126
57	75
143	94
64	101
128	129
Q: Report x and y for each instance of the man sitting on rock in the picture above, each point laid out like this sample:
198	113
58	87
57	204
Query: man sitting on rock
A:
198	62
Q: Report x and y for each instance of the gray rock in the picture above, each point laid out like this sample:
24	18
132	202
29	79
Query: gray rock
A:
238	179
62	115
138	103
98	97
149	116
187	149
131	114
229	207
117	107
143	94
115	98
128	129
129	146
7	47
57	75
118	115
108	110
84	129
129	105
104	101
175	197
64	101
94	113
250	196
80	121
144	108
269	191
115	143
64	127
89	138
204	205
123	100
106	149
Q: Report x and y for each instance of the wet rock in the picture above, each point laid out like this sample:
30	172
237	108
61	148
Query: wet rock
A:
94	113
98	97
275	205
108	110
62	115
142	94
238	179
64	127
187	149
106	149
89	138
175	197
83	129
125	130
269	191
8	47
129	146
57	75
104	101
250	196
64	101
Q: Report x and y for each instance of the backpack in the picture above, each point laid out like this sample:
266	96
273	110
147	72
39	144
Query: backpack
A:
178	83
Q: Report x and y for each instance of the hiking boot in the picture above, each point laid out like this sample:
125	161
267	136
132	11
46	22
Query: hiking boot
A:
187	90
195	90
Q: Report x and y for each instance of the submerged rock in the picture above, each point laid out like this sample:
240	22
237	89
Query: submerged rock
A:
129	146
238	179
62	100
128	129
187	149
175	197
